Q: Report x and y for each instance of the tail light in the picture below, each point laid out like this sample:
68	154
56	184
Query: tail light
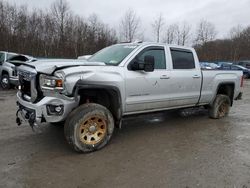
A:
241	81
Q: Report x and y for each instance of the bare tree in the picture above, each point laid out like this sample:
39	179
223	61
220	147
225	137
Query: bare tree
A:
235	32
54	33
129	25
157	25
170	34
60	11
185	33
205	32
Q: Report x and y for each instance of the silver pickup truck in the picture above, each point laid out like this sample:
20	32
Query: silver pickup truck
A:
8	68
93	96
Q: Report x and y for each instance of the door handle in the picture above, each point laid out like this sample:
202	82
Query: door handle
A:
196	76
164	77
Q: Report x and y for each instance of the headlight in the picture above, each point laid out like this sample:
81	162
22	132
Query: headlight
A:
51	82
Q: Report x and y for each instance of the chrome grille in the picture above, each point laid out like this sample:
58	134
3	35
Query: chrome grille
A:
27	82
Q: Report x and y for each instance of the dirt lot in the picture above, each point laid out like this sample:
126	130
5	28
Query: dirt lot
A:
160	150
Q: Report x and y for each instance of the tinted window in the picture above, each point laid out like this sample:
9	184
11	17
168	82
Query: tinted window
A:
159	56
182	59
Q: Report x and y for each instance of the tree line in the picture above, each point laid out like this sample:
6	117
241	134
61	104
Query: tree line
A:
234	48
58	32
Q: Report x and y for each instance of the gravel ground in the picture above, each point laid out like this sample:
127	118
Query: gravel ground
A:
157	150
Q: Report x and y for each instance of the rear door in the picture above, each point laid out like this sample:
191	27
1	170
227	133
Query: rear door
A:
185	79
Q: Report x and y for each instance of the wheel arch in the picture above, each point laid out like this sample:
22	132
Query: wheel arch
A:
106	95
227	89
5	72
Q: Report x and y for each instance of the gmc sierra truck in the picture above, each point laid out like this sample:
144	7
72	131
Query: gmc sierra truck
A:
92	97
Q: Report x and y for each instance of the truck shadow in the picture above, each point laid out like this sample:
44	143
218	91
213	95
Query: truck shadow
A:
133	126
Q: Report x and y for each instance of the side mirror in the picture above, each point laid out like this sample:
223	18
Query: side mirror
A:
137	65
149	63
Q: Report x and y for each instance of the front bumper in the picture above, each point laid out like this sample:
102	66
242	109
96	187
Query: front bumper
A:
37	113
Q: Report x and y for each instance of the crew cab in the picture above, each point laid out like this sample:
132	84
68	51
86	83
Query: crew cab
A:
92	97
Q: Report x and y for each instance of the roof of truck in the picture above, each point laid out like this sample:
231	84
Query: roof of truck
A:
154	43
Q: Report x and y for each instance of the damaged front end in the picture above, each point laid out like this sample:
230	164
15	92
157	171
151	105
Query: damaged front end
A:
28	115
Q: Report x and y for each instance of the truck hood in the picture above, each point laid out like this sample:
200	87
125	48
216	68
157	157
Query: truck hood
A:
7	64
49	66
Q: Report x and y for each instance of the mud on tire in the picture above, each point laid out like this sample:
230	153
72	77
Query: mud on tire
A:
89	127
220	107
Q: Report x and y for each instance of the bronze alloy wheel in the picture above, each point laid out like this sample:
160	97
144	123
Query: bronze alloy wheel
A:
223	109
220	107
89	127
93	130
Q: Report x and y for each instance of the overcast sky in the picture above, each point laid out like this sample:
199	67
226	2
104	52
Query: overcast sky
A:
224	14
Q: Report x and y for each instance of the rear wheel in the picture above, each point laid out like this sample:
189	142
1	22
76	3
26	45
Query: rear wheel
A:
5	81
220	107
89	127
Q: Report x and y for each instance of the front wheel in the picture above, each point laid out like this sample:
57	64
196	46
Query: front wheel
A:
220	107
89	127
5	81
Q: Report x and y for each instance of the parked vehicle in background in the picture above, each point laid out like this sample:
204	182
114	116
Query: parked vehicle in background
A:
6	55
9	63
94	96
208	65
246	72
84	57
245	64
224	63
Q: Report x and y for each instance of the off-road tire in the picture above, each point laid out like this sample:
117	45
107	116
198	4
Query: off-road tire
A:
74	123
220	107
4	85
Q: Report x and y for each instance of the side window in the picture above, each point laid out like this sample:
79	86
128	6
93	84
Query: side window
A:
159	56
182	59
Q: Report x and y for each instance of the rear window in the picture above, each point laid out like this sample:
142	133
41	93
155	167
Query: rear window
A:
182	59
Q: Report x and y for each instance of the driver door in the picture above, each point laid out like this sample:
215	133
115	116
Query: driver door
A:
147	91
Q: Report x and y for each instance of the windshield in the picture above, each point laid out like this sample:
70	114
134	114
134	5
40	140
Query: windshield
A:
10	55
113	55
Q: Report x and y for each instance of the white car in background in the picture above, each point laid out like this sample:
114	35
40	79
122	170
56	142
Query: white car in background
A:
8	64
84	57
